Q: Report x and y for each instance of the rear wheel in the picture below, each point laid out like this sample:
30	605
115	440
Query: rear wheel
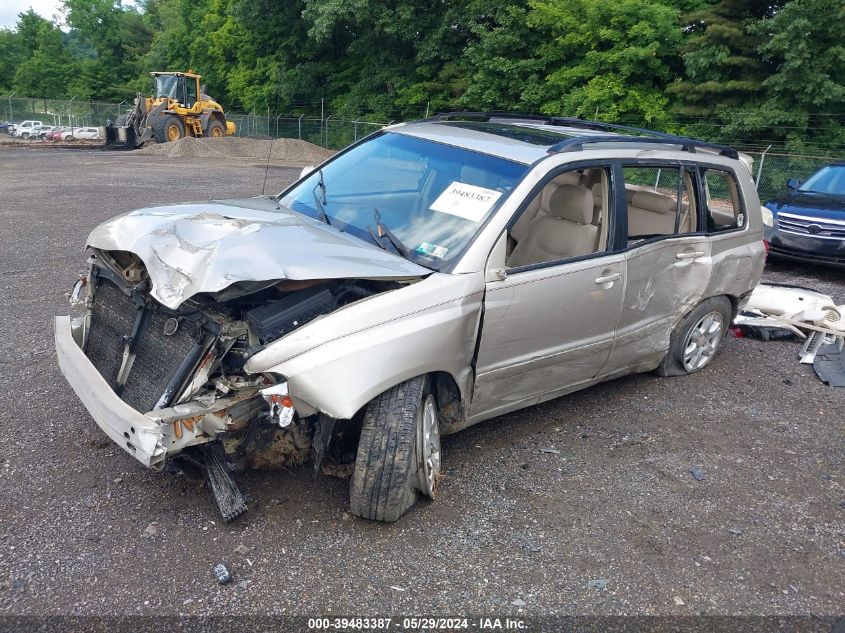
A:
697	338
215	129
398	453
169	128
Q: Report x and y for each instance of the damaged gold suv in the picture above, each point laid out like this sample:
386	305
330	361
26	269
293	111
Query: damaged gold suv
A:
434	275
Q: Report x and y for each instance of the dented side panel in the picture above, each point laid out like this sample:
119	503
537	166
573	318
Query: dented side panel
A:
660	289
336	366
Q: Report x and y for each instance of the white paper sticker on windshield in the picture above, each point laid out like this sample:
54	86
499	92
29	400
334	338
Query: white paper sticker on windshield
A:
466	201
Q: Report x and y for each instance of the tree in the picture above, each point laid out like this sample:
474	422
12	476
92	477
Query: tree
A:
722	69
606	58
503	67
119	37
47	72
805	94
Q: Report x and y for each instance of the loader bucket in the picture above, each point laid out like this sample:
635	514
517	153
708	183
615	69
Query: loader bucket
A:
121	137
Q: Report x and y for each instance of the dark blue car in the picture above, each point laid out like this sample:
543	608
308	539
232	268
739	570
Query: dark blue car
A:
808	223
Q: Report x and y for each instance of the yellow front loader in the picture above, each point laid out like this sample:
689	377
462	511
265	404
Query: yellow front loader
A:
179	108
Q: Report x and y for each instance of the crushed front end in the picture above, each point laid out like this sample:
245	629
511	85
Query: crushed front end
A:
170	383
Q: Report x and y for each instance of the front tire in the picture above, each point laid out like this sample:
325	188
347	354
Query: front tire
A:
215	129
697	338
169	128
398	453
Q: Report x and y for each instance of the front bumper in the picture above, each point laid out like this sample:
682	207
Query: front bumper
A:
805	248
139	435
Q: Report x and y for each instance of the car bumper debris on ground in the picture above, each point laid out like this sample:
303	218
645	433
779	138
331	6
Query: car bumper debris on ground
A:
784	311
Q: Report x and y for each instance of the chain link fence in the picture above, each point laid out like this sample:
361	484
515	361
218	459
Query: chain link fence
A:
330	132
771	168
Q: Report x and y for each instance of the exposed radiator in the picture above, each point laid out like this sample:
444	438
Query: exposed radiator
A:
161	364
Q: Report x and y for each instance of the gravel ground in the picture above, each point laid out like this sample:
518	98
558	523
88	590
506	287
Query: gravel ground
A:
583	505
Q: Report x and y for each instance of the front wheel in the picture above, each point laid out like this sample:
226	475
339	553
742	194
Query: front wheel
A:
215	129
697	338
168	128
398	453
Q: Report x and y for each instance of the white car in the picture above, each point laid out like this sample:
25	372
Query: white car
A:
26	128
82	133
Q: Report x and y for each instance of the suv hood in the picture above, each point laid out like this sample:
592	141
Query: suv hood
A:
205	247
812	204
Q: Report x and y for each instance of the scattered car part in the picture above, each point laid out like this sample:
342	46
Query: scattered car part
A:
829	364
815	341
222	574
230	500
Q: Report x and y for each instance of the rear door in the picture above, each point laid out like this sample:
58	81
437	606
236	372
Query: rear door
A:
668	257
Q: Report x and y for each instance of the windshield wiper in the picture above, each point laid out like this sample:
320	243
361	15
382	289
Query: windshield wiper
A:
384	231
320	200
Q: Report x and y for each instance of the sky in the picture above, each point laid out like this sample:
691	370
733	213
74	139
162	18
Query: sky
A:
9	10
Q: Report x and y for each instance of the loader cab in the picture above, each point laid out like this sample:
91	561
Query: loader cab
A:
180	87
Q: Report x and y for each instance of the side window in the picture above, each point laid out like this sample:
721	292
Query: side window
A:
724	206
566	218
652	194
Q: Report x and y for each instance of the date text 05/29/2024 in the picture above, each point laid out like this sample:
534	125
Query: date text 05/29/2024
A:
416	624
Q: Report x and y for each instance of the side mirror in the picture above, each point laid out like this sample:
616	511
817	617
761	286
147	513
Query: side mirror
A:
305	171
793	183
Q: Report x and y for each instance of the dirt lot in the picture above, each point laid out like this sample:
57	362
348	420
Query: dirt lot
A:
519	529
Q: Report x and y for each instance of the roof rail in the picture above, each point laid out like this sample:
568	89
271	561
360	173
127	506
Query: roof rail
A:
577	143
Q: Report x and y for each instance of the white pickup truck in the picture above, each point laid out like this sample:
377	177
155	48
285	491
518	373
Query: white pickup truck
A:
25	129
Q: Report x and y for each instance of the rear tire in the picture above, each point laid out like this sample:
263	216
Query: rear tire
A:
393	464
697	338
168	128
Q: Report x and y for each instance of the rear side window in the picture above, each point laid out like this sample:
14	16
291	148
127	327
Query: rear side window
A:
652	196
723	202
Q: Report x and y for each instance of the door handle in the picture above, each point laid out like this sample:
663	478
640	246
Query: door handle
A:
690	255
606	279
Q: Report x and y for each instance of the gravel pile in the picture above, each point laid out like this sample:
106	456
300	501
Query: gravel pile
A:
283	150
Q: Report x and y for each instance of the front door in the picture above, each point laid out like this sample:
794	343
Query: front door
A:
545	331
549	322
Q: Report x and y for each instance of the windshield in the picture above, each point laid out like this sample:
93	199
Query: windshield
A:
167	86
830	179
408	195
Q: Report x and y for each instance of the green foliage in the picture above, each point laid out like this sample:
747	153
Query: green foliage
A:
607	58
757	71
722	67
803	43
49	67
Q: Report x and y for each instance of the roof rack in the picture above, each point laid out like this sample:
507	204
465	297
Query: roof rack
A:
650	137
577	143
